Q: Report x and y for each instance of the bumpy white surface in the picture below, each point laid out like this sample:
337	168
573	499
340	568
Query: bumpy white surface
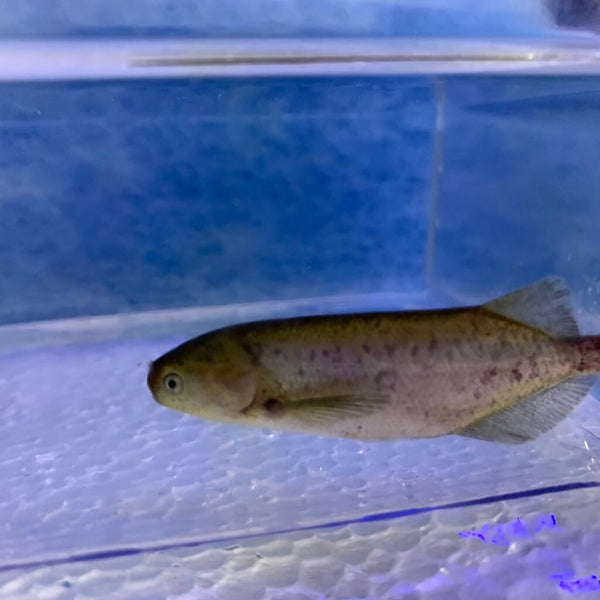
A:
89	464
410	559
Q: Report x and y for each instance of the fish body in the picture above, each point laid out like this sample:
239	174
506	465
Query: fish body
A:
391	375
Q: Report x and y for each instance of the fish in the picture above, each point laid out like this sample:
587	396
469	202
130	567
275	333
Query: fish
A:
506	371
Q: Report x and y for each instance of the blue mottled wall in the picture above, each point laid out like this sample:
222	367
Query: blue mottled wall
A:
520	194
129	196
134	196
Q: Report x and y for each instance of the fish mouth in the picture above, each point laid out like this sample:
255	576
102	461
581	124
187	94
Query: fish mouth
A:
152	379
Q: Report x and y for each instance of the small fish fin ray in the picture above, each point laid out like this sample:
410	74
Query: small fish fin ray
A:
544	305
331	408
532	416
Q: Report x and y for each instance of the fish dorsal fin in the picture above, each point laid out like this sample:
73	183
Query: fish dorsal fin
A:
544	305
533	416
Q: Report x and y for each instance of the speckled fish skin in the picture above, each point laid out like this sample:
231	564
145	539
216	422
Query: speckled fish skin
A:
423	374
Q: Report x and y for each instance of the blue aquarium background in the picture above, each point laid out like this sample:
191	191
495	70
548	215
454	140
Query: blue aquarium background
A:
139	212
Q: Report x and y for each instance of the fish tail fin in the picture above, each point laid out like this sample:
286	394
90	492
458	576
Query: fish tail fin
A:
532	416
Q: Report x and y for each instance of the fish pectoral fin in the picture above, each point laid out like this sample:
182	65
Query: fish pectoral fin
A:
544	305
331	408
532	416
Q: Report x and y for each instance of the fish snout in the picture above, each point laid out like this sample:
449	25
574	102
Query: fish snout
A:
153	378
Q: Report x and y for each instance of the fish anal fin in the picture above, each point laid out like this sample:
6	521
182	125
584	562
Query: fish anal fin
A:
532	416
544	305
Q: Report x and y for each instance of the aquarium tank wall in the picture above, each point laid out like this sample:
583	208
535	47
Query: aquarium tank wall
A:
169	168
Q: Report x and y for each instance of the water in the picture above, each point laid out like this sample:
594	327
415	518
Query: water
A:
109	493
152	189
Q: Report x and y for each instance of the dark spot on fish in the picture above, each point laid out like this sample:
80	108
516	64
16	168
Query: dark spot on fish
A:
477	396
366	348
449	354
582	366
389	350
300	372
337	358
359	428
273	406
276	351
311	357
325	352
433	346
386	380
426	414
489	375
414	351
517	374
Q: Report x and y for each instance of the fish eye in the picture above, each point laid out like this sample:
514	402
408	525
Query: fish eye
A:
173	383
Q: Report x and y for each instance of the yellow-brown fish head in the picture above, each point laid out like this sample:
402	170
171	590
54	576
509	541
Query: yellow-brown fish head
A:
209	378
